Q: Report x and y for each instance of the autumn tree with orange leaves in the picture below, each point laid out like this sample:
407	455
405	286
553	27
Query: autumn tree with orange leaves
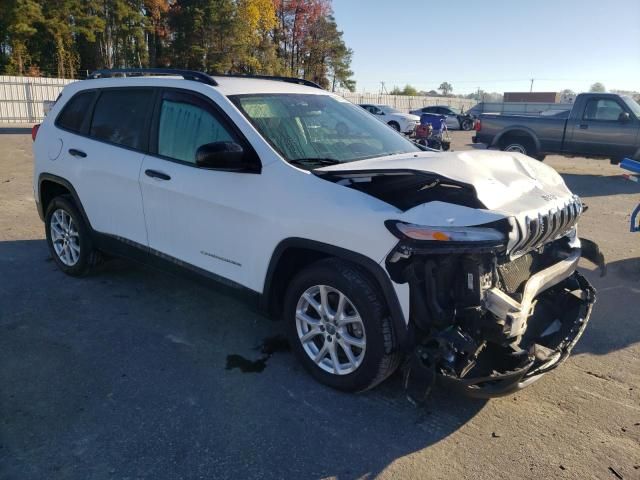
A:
68	38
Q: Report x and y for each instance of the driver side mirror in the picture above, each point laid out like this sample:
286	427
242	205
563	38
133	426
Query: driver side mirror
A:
624	117
227	156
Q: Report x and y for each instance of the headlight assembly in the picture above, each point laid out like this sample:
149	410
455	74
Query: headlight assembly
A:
446	235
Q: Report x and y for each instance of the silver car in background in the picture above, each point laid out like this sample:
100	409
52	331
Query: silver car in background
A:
402	122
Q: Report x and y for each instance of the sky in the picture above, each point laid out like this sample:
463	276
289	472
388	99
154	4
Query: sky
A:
495	45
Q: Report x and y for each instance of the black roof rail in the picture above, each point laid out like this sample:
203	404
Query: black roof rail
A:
299	81
192	75
140	72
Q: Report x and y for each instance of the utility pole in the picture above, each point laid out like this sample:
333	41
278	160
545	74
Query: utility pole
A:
531	88
383	89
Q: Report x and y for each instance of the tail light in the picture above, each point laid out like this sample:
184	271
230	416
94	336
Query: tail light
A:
477	126
34	131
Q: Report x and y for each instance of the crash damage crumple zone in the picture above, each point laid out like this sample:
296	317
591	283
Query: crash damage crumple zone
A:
489	317
473	342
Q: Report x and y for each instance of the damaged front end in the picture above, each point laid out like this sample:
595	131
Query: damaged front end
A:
488	322
495	305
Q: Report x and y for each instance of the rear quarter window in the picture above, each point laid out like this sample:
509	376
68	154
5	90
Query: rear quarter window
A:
75	112
121	117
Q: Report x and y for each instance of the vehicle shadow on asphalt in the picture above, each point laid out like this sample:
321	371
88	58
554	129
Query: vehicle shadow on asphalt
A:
619	294
122	374
14	130
476	146
587	185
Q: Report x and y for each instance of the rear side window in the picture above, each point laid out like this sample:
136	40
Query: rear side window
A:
120	117
74	112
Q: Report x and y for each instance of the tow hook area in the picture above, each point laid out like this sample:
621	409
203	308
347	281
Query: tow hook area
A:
478	368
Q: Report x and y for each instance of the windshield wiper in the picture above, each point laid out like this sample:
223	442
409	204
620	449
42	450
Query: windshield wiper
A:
313	161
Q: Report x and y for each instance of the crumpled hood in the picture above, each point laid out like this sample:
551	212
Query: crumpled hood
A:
505	182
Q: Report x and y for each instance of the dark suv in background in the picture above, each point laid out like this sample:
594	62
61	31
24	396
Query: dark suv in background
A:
456	119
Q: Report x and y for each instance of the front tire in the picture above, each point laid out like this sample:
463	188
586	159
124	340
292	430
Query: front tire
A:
338	326
395	126
466	124
68	238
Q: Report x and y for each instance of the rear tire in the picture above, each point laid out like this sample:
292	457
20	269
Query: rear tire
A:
523	145
362	320
69	238
466	124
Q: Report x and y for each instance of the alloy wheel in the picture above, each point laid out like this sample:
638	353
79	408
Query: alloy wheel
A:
330	330
516	147
65	237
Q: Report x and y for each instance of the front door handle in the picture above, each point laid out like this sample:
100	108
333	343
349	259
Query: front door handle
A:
77	153
583	126
157	174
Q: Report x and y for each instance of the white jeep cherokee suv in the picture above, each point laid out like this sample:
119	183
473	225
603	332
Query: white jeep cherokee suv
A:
373	251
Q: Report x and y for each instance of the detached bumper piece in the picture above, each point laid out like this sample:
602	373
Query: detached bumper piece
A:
559	318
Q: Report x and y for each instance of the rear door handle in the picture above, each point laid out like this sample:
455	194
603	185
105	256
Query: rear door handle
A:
583	126
77	153
157	174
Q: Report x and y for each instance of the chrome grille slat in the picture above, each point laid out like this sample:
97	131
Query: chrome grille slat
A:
542	228
572	216
538	231
576	216
550	228
523	234
556	223
533	232
563	219
567	218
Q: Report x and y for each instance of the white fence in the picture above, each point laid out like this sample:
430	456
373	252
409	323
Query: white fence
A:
22	98
406	102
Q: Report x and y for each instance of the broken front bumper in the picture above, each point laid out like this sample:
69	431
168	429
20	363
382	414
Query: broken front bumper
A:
551	335
517	313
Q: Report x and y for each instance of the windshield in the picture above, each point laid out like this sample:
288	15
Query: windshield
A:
633	105
320	127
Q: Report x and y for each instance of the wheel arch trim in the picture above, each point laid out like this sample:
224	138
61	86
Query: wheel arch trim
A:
377	272
49	177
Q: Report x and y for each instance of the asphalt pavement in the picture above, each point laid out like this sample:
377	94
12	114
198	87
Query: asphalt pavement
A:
133	373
